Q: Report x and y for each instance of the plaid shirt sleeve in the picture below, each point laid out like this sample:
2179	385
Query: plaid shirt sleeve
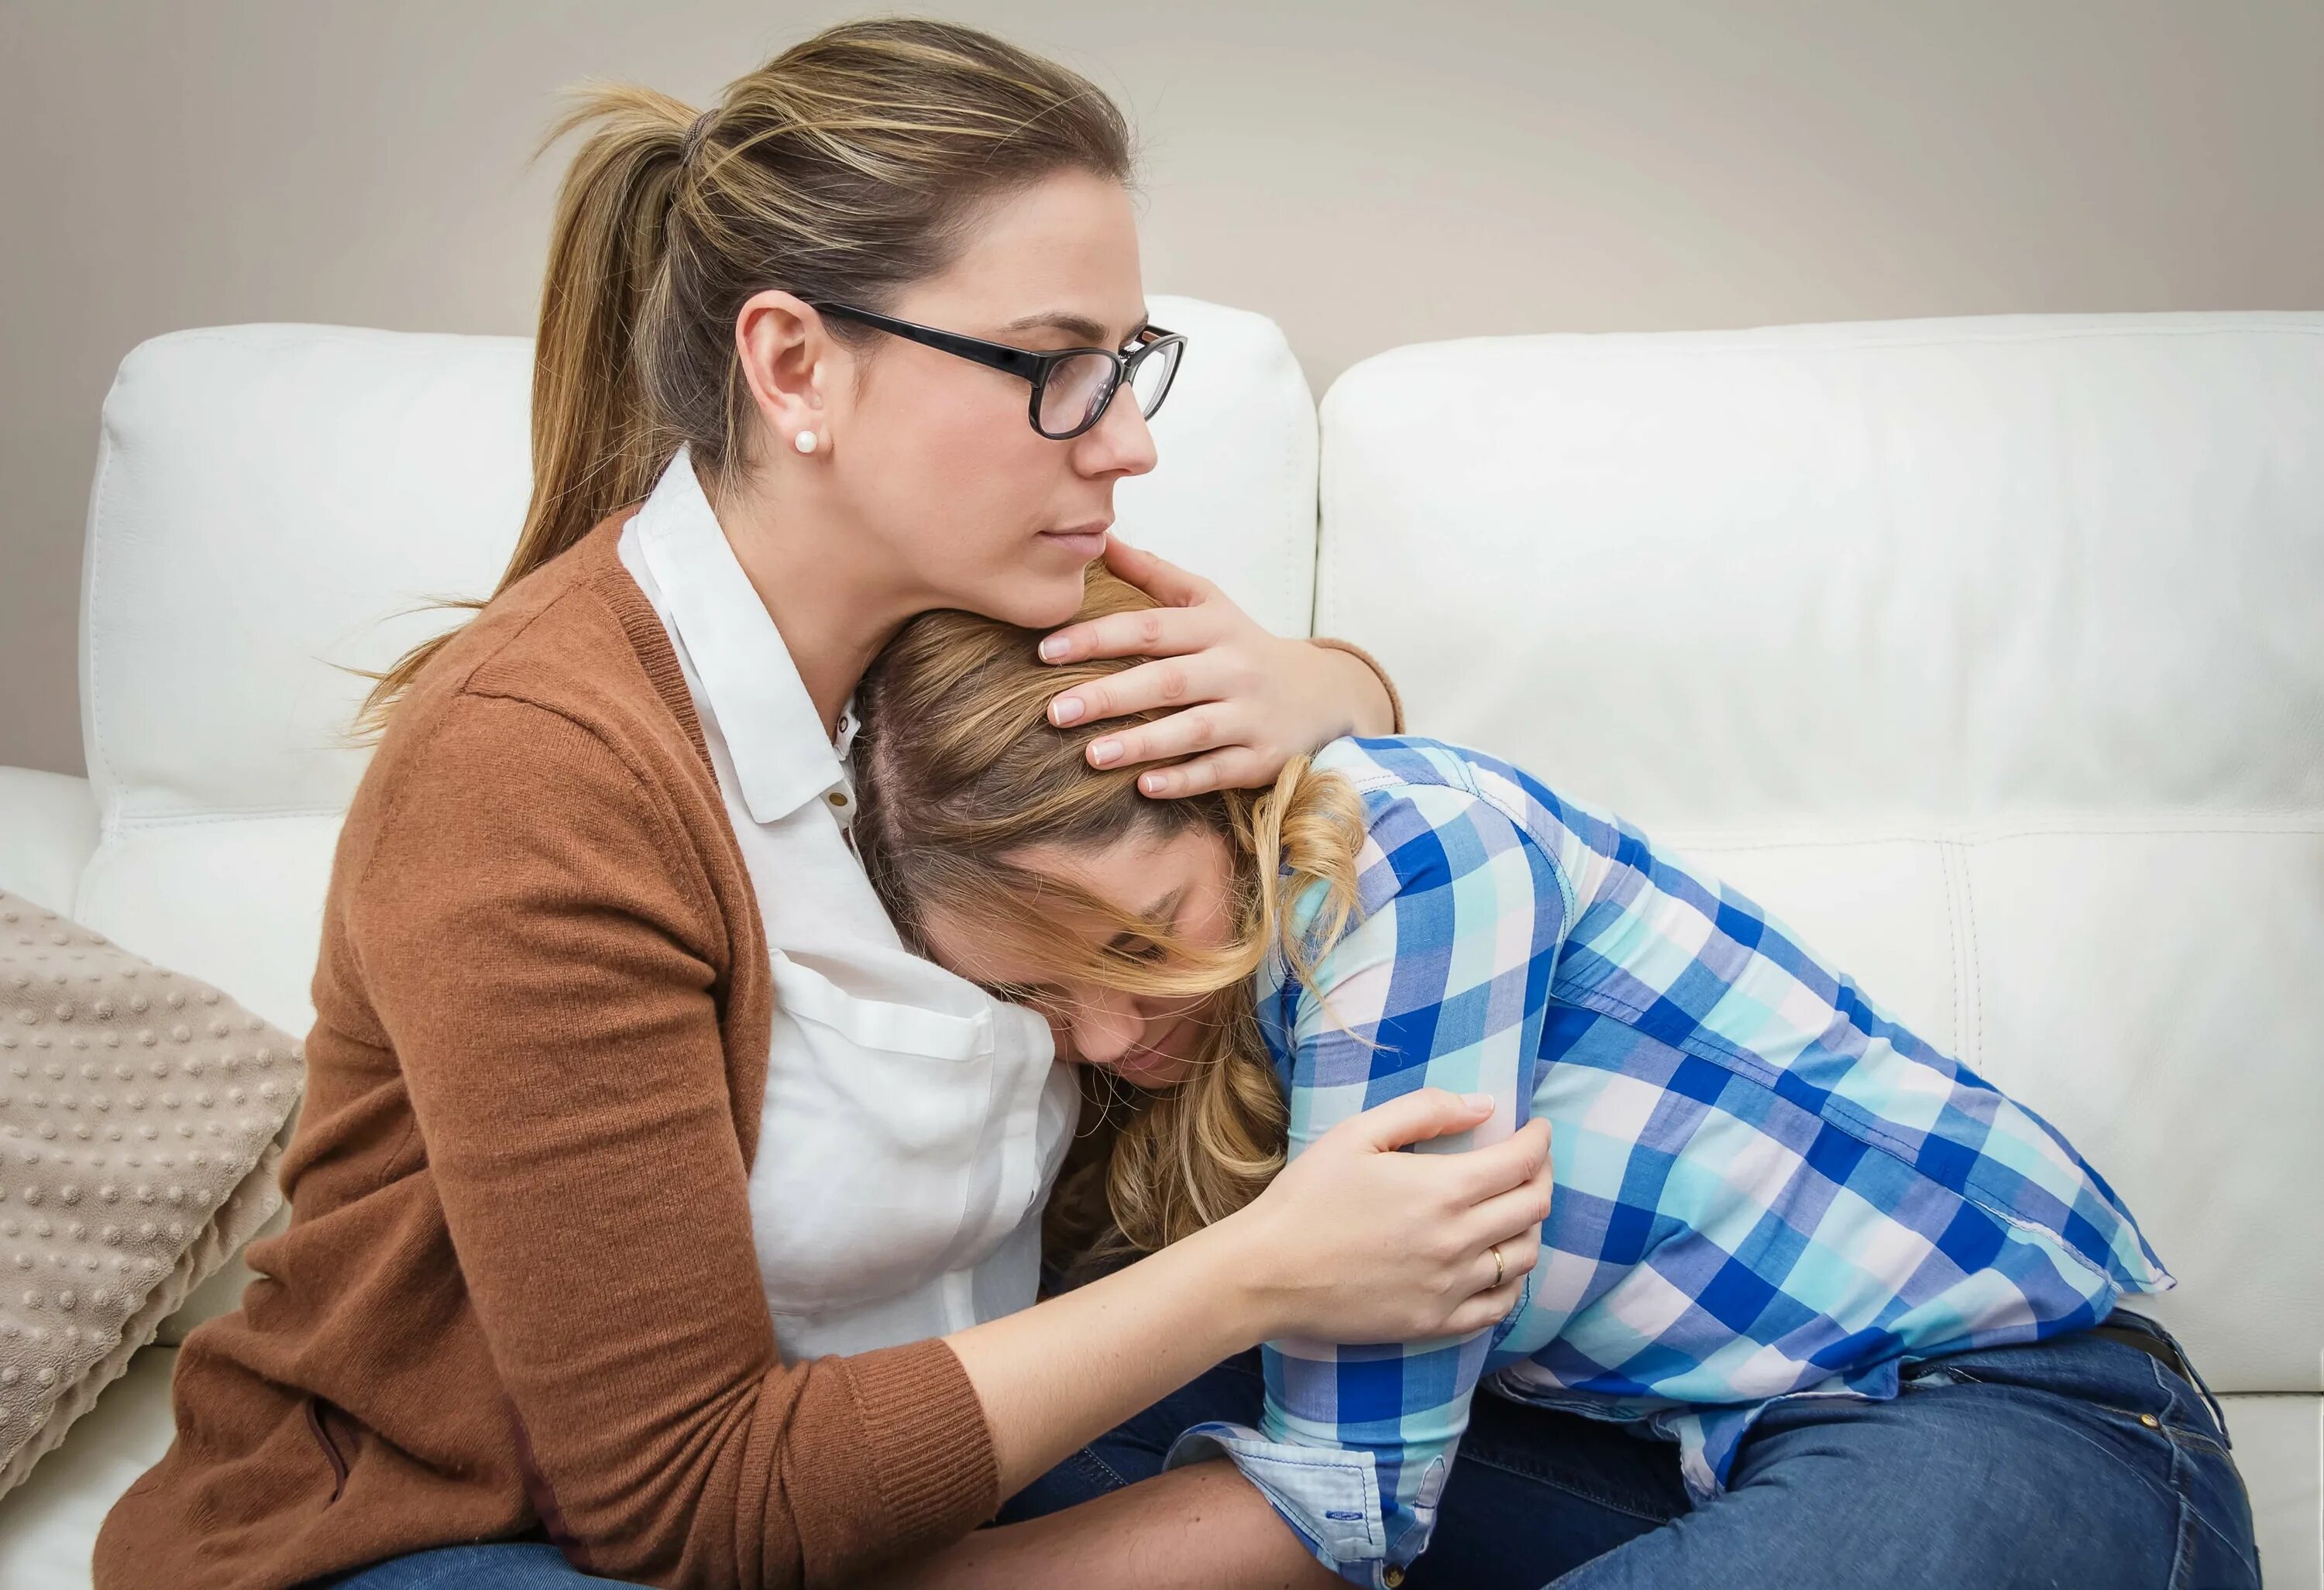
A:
1443	982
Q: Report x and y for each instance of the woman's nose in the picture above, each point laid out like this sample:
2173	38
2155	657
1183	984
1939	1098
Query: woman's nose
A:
1120	443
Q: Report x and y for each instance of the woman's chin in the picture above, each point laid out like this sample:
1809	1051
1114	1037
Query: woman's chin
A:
1038	598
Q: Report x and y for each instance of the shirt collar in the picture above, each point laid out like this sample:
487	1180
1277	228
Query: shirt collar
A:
782	758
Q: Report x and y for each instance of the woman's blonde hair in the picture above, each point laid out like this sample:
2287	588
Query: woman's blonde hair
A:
847	168
960	772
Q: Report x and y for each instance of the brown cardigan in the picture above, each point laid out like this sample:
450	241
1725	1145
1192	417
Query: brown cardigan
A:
518	1293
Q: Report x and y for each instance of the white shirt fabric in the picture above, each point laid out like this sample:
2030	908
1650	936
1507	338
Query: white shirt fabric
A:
913	1124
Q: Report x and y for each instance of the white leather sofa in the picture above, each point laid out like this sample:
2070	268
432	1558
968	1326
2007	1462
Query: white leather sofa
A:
1990	653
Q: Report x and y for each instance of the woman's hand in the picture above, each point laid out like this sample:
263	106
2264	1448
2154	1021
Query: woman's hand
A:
1250	700
1352	1243
1357	1243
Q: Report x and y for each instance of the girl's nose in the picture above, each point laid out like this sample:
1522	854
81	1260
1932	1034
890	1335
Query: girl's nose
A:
1105	1029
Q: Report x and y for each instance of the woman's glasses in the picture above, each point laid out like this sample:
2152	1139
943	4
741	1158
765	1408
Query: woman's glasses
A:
1071	387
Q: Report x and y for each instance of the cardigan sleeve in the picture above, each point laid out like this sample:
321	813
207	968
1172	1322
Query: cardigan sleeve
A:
537	943
1395	701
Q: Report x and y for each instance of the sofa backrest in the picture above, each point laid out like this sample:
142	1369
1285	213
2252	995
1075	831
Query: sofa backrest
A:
1988	652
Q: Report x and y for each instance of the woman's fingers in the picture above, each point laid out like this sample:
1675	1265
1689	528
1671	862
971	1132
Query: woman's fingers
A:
1237	768
1419	1116
1511	1222
1486	1309
1158	577
1152	631
1166	682
1213	726
1515	1162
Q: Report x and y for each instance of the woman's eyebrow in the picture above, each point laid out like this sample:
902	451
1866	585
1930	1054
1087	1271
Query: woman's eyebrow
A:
1071	324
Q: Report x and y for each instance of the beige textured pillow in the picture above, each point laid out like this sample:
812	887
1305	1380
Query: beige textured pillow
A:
138	1110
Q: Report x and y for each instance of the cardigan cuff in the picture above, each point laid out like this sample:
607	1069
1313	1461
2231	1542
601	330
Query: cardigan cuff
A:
1395	701
926	1443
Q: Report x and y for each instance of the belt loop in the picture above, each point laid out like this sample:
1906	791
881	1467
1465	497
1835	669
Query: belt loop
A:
2134	1321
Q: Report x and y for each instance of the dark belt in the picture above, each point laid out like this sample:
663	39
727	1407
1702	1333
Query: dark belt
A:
2154	1347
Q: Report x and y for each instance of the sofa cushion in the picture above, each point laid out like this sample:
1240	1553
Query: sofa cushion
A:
138	1110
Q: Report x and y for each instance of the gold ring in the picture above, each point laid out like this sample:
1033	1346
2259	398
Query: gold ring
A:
1500	1270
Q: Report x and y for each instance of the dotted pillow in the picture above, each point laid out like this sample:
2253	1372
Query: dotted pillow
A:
138	1113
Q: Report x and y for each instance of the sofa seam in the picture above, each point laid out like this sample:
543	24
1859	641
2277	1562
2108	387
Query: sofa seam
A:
1945	859
100	546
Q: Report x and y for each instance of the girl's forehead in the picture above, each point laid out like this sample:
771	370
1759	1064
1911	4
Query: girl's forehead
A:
1142	874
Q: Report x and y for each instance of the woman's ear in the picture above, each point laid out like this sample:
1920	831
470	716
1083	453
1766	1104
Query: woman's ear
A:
788	356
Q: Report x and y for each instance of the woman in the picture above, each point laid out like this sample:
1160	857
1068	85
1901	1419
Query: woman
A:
655	1217
1868	1300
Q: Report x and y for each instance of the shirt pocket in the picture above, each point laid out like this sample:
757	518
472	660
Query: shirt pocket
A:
881	1160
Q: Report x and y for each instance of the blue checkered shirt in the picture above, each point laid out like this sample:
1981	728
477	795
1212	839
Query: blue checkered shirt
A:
1767	1185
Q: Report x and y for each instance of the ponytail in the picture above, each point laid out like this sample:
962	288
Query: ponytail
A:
593	443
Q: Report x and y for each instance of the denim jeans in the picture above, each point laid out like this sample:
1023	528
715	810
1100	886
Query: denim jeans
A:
495	1564
2078	1462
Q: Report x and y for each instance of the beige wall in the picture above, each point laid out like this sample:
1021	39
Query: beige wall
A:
1370	174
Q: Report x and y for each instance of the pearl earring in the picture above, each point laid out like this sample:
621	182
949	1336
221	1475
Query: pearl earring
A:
804	441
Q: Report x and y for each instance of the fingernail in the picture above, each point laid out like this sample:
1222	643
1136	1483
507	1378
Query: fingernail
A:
1065	709
1105	753
1478	1100
1152	783
1053	649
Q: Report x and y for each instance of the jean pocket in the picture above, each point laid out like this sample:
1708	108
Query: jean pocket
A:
2217	1548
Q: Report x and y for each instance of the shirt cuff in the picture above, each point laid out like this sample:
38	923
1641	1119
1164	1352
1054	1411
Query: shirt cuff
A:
1395	702
1330	1497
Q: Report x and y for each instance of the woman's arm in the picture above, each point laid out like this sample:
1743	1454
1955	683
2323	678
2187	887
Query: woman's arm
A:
1249	701
1203	1527
1355	1241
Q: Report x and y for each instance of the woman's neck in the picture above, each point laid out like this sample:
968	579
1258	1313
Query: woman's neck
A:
835	605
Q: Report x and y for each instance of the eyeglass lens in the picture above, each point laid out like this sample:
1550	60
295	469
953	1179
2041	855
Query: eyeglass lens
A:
1078	387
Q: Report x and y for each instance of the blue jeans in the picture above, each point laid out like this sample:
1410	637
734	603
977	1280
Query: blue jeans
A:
495	1565
2076	1462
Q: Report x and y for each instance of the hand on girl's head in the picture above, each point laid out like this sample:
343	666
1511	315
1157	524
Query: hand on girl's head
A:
1241	701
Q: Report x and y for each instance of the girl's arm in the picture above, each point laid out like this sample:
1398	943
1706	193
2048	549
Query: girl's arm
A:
1246	701
1445	982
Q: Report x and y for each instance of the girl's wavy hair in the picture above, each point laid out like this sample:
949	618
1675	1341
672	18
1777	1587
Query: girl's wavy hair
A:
849	167
959	772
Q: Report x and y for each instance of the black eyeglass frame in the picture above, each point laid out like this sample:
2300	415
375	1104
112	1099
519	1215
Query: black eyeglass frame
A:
1026	363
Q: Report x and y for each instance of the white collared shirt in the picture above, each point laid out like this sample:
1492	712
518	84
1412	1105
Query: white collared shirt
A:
912	1123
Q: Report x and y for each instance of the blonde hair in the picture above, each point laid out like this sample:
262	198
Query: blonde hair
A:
959	771
847	168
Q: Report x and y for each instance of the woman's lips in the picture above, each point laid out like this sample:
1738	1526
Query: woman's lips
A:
1084	541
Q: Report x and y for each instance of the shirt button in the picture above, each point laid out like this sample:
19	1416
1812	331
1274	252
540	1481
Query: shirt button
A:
1392	1579
835	798
2150	1421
